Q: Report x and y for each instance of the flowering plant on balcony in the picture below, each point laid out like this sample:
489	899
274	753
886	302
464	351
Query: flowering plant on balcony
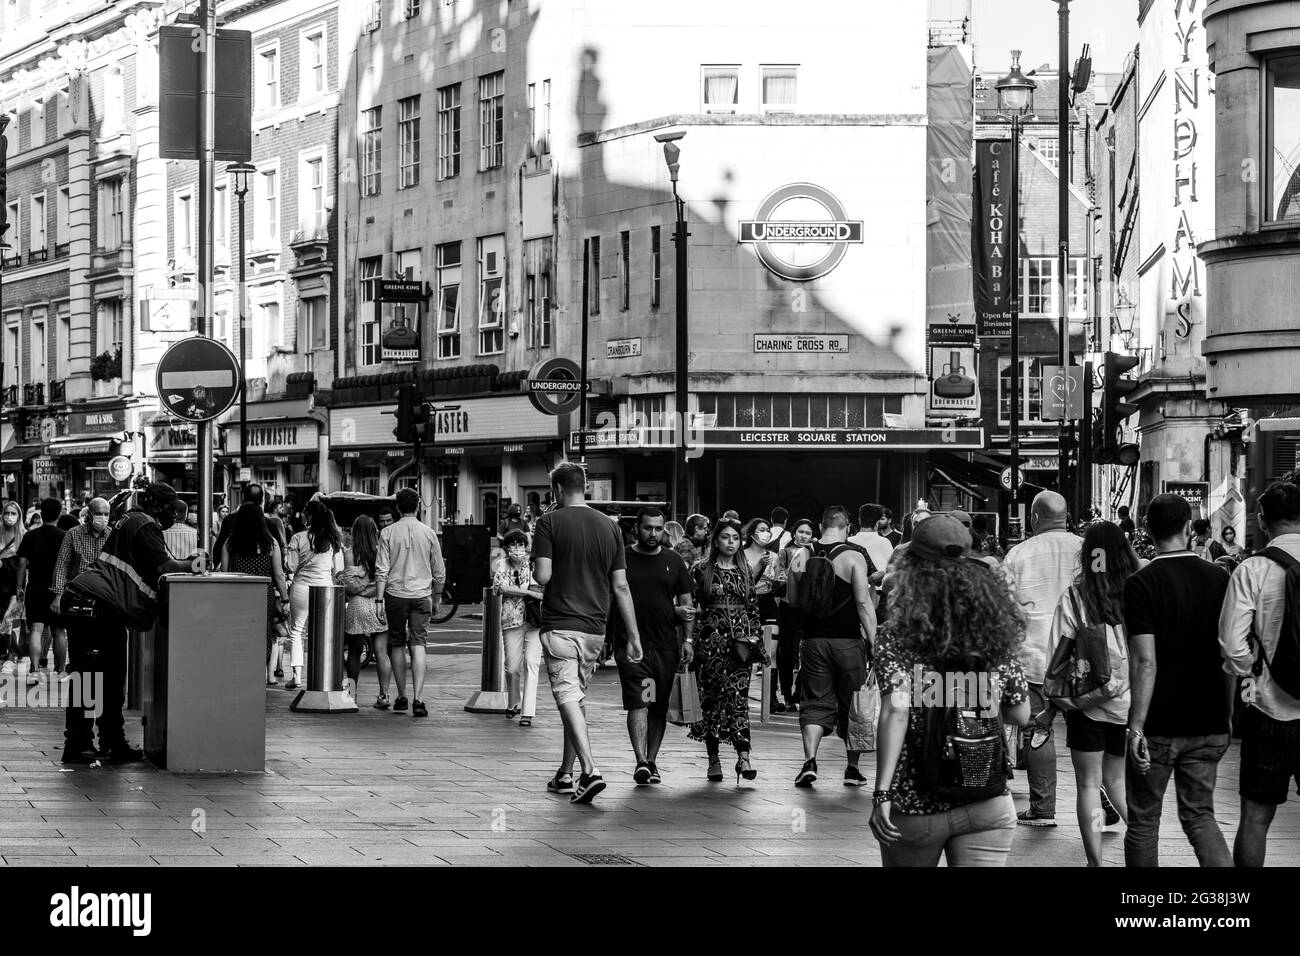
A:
107	365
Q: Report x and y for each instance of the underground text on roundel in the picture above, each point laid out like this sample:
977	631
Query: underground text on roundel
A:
78	910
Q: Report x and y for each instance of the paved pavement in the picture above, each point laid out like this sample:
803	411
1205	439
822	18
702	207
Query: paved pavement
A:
458	788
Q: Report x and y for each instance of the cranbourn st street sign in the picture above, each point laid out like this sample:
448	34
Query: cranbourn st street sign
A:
806	247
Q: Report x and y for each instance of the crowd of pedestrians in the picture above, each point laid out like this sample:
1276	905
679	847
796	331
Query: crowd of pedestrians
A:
1154	641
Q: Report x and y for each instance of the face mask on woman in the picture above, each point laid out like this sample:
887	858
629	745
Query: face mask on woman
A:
763	536
11	519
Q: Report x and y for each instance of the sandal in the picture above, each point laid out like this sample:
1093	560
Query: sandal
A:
525	721
382	702
272	683
512	712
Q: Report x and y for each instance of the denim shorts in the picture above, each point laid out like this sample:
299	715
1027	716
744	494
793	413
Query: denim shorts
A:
399	610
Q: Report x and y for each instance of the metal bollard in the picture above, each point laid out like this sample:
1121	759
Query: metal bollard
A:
491	698
324	692
770	632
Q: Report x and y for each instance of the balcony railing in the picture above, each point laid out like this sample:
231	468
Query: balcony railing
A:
11	395
58	391
34	393
61	249
12	262
37	255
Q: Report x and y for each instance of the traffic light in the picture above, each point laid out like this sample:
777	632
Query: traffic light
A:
420	419
1109	449
4	176
409	405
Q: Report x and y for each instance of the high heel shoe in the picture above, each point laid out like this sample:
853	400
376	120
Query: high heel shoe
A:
743	769
715	770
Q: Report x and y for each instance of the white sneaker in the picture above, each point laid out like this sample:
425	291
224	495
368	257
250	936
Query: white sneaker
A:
7	667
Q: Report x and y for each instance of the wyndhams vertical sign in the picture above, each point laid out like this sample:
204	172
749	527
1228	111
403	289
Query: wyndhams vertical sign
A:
991	224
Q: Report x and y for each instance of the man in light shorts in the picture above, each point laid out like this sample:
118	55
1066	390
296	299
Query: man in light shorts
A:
578	559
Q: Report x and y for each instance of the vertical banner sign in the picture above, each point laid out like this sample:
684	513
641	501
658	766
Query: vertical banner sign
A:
991	226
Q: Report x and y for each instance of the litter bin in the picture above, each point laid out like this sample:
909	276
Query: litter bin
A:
203	687
324	693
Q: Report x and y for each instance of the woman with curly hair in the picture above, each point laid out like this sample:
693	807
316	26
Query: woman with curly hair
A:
948	616
1095	736
724	593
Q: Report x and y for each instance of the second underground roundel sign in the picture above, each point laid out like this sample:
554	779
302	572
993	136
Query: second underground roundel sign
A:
555	386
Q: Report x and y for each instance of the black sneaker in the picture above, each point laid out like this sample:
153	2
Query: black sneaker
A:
419	710
1112	815
87	755
588	786
808	775
654	774
641	775
122	753
560	783
853	777
399	705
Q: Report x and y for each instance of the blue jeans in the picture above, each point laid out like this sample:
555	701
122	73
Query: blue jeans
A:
977	834
1194	764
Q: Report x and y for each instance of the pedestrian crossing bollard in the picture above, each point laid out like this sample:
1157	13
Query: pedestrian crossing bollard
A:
325	693
770	632
491	697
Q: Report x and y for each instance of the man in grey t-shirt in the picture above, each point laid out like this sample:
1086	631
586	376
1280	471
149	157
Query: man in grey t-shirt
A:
578	559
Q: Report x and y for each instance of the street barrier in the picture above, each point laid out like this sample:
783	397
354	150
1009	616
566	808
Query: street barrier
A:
491	698
325	693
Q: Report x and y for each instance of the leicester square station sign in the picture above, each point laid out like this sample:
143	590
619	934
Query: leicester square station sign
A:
822	222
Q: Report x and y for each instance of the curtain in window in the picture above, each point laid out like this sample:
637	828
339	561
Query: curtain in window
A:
779	88
720	89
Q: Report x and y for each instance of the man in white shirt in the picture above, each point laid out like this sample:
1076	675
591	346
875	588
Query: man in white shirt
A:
780	537
1040	570
1270	728
878	547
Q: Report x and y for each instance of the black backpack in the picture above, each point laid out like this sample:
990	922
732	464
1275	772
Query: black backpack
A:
817	582
962	754
1285	665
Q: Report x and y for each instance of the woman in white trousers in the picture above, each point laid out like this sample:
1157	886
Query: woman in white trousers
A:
513	580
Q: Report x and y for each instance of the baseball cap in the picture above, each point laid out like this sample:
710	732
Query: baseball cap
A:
939	538
961	516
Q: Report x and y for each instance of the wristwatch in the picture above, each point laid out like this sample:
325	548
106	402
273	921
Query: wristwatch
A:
882	796
1130	732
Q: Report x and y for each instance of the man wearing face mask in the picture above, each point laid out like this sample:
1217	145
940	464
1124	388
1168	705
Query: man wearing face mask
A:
119	591
81	547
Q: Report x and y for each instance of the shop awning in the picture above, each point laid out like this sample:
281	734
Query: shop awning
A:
173	458
80	449
17	454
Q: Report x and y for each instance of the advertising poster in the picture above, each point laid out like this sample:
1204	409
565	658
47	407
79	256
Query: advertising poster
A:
953	367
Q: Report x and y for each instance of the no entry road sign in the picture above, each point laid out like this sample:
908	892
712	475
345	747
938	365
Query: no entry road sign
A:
198	379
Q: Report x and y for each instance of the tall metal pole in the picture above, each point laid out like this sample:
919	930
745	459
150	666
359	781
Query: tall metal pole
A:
582	395
243	349
207	177
1013	259
681	484
1063	230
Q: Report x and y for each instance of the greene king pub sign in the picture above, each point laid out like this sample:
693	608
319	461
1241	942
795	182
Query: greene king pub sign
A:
801	232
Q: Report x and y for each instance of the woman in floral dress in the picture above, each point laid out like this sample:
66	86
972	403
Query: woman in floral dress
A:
724	593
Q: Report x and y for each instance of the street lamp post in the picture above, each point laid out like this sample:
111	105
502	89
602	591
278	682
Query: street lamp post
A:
242	173
1016	100
681	482
1063	239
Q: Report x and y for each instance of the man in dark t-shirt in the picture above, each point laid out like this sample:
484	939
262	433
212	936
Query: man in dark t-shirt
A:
36	558
578	559
661	592
1181	698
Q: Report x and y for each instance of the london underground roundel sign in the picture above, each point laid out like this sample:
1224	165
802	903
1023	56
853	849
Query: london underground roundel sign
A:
801	232
555	386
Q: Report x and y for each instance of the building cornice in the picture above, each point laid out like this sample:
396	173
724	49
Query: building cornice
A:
753	119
